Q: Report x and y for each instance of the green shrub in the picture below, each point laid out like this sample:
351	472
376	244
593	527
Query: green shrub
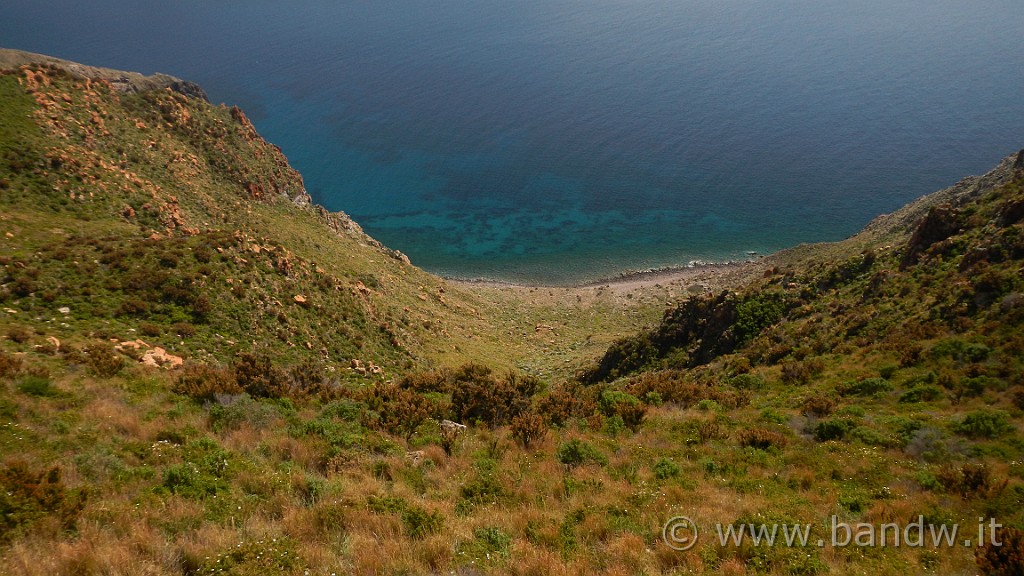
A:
577	453
756	313
709	405
485	487
872	437
36	385
977	385
386	504
252	558
984	424
665	469
865	387
922	393
888	372
203	474
832	429
771	416
488	544
928	481
747	382
961	351
653	398
616	403
418	522
103	360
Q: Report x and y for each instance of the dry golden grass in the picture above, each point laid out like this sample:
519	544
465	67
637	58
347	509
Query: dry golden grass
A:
110	415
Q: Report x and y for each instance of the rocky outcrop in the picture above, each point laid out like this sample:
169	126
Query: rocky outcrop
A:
941	222
131	82
906	219
342	223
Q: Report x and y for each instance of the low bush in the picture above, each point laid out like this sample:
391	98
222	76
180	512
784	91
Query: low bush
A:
871	437
103	360
710	430
419	522
36	385
818	406
27	496
921	393
832	429
232	412
205	383
664	469
984	424
19	334
865	387
488	544
977	385
747	381
577	453
429	381
966	481
485	487
762	439
563	404
386	504
528	428
477	396
801	372
398	411
615	403
258	377
1003	555
203	474
10	365
267	556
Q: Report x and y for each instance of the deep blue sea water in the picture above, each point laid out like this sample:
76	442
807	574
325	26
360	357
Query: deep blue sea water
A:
556	141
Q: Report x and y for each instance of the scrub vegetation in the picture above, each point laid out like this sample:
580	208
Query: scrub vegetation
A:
201	372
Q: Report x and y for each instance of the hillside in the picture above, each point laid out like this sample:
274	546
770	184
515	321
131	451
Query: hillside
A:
203	372
183	204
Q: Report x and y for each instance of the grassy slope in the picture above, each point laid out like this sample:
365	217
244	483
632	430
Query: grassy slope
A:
352	479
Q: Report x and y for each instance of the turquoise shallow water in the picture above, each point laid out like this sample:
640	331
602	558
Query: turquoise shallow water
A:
557	141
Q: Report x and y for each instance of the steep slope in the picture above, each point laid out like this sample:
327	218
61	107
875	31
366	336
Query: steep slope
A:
957	251
896	357
149	213
146	211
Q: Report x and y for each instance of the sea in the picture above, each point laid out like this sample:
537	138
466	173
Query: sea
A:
556	142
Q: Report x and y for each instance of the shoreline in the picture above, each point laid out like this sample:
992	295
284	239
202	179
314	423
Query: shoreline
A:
716	273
